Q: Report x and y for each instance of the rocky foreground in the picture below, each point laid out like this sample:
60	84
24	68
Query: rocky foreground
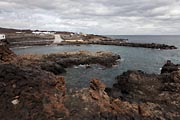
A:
28	92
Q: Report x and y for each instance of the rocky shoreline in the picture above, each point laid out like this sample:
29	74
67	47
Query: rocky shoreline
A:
56	63
159	93
30	91
125	44
20	38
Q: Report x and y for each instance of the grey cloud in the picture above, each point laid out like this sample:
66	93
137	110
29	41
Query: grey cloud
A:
93	16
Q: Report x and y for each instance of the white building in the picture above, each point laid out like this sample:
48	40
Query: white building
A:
2	37
18	32
45	32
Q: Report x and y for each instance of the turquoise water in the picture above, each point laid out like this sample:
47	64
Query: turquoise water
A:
148	60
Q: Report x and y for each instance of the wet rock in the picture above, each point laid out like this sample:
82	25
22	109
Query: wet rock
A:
68	59
136	85
148	90
56	63
53	67
169	67
124	43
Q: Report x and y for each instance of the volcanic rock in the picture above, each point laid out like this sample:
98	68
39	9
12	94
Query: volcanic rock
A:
68	59
52	67
123	42
28	93
94	103
162	91
6	54
169	67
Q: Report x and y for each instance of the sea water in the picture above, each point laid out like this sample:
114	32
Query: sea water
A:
147	60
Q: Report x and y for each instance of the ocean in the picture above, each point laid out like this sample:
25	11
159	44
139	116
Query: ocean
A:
147	60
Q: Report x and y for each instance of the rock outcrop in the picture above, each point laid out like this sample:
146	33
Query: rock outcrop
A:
169	67
6	54
68	59
29	90
52	67
162	91
56	63
30	94
94	103
123	43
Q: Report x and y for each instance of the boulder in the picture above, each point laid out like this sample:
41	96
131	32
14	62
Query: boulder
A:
169	67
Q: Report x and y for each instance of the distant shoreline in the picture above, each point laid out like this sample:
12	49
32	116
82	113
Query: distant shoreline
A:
22	38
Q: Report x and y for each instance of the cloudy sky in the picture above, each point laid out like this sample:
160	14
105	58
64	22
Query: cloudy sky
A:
93	16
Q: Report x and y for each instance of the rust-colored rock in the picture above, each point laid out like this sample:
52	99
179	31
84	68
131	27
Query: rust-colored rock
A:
94	103
157	96
97	85
28	93
29	90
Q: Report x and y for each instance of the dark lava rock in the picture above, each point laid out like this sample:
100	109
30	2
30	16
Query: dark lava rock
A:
27	92
68	59
149	45
93	103
161	90
56	63
53	67
169	67
136	85
123	42
30	94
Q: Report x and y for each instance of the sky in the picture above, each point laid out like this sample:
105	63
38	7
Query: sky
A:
105	17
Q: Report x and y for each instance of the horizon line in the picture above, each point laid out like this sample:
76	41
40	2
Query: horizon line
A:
93	33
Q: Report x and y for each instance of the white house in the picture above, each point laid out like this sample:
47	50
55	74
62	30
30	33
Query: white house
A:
20	32
2	37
